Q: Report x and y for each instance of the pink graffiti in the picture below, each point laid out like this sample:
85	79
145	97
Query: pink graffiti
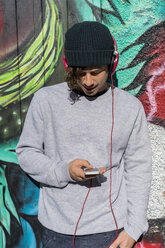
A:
153	98
153	73
153	92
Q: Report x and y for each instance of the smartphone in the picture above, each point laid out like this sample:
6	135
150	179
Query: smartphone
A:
91	172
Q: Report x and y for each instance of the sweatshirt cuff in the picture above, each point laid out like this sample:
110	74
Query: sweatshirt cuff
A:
62	173
133	231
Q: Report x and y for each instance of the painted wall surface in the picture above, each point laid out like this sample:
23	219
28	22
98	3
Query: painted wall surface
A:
31	49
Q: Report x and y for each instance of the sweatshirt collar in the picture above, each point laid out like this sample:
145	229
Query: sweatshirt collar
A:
91	98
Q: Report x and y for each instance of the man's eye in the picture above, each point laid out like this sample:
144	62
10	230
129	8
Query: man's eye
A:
82	74
95	73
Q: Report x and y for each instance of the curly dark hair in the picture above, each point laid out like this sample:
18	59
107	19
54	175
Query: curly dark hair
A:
72	77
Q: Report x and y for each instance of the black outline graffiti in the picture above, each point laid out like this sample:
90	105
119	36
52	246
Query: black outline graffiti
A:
96	11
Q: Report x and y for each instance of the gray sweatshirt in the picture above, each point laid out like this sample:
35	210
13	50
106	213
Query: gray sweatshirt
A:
56	132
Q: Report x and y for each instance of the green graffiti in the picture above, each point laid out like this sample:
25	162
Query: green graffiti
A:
2	238
26	73
127	21
6	206
5	151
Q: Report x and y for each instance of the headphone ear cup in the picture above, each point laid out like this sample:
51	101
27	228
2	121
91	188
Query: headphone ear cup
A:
115	62
65	64
116	54
112	63
64	61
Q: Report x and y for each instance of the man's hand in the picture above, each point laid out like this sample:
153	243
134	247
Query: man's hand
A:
123	241
76	171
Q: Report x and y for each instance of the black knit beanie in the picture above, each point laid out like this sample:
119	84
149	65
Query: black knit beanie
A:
88	43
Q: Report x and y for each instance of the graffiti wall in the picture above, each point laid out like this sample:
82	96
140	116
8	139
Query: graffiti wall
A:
31	49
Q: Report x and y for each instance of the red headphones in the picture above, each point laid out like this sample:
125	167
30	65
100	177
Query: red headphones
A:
115	62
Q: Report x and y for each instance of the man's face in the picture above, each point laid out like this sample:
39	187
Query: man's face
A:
93	80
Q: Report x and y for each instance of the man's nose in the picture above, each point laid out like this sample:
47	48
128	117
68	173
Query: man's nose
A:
88	80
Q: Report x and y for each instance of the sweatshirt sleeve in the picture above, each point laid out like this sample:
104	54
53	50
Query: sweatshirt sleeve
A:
137	173
30	151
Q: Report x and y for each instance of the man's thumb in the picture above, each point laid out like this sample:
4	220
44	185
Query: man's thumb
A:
88	165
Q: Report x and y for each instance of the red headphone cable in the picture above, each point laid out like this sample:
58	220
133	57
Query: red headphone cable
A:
81	213
110	200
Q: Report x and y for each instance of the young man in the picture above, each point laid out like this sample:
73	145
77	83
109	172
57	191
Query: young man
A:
68	127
